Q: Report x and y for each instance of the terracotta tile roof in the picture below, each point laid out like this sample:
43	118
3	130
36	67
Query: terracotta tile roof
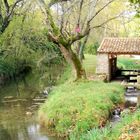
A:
120	46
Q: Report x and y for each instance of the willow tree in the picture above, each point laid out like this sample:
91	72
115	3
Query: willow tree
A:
64	30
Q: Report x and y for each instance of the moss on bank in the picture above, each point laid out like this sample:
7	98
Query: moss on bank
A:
74	108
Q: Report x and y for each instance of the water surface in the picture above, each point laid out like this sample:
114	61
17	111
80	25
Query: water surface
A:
16	121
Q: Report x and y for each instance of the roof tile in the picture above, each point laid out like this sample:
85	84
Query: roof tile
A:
120	46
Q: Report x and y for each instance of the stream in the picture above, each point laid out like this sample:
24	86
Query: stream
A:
16	125
18	119
17	122
131	96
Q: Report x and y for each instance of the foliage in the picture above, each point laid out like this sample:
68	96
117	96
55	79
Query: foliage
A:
92	49
128	128
128	63
74	108
24	45
137	6
66	75
71	106
6	68
71	22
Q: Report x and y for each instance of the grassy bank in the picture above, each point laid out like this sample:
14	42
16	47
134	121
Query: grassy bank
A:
73	108
79	106
127	129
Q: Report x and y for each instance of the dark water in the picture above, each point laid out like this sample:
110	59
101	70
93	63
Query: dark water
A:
131	100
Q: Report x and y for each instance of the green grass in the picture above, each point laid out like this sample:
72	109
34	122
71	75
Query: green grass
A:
79	106
76	109
126	129
128	63
73	108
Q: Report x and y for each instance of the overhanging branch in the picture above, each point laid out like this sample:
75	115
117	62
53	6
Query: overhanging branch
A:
14	6
79	36
100	11
6	4
105	22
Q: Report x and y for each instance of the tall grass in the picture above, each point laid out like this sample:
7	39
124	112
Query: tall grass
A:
128	128
74	108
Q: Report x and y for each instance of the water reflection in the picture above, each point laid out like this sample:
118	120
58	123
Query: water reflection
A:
16	125
4	135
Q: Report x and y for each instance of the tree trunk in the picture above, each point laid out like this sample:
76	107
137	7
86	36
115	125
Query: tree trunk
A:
4	25
73	59
79	50
82	47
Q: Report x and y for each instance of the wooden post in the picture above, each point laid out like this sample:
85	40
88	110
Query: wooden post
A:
138	79
138	101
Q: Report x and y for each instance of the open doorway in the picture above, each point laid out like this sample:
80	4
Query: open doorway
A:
128	67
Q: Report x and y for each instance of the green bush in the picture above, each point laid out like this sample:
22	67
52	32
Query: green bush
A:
92	49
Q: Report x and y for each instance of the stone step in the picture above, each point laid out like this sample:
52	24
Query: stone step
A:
14	100
33	107
132	94
131	87
37	103
8	97
39	100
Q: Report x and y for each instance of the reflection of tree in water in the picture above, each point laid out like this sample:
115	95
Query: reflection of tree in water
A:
4	135
14	124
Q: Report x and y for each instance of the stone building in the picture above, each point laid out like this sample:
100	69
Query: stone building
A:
108	51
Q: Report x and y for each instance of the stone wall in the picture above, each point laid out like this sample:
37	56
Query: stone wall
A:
102	67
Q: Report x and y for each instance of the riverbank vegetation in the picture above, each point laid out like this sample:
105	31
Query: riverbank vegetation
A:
79	106
43	44
127	128
73	108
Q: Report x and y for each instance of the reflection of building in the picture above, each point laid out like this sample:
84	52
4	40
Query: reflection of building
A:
108	51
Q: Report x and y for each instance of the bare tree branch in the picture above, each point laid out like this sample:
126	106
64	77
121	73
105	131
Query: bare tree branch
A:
91	10
70	7
79	36
100	11
14	6
9	14
6	6
80	10
56	1
62	19
105	22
